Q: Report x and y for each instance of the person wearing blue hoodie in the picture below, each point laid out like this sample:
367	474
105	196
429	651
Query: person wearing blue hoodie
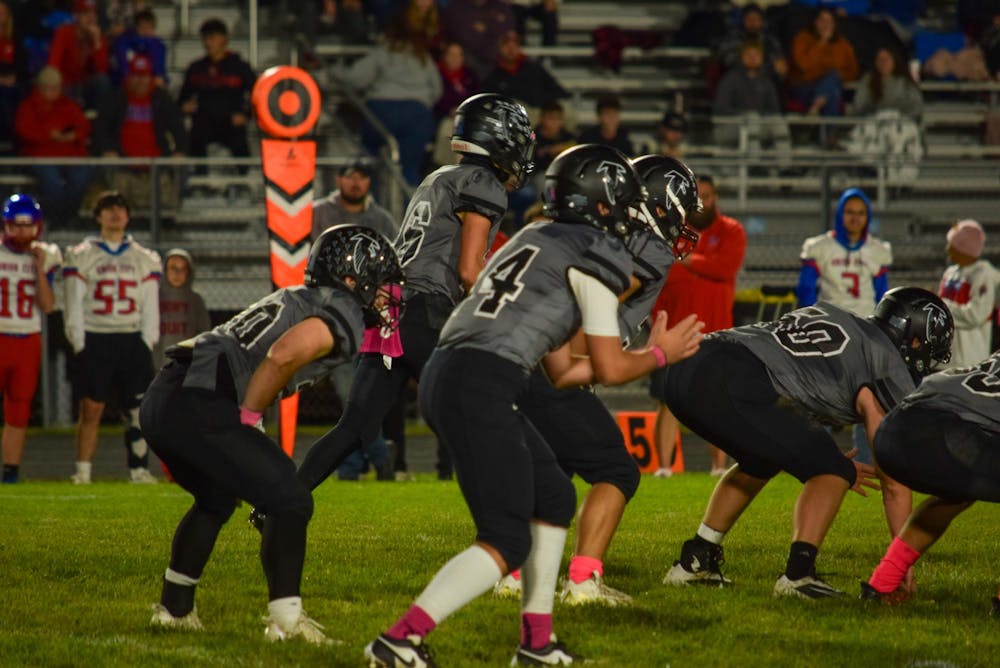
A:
848	267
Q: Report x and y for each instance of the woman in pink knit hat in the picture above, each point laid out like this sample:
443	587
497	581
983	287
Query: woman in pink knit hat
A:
969	287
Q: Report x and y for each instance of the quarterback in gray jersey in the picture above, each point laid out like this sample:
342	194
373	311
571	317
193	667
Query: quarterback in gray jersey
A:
202	413
944	440
576	424
448	226
763	392
548	281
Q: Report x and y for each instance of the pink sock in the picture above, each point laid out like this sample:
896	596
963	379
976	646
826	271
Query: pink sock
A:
415	622
516	574
892	569
581	568
536	629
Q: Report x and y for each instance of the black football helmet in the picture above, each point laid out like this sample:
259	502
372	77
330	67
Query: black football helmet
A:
673	188
920	326
581	177
366	256
497	127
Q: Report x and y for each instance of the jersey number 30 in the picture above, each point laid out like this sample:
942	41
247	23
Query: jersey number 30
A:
503	282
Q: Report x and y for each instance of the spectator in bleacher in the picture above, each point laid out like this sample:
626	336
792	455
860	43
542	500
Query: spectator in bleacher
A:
10	90
352	204
989	42
423	20
546	12
672	131
458	81
752	29
475	25
400	82
949	56
52	125
520	77
748	92
216	94
888	86
80	52
182	310
822	62
609	130
342	22
551	136
140	39
141	120
969	287
120	16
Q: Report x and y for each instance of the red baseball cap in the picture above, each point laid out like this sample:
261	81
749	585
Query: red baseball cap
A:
81	6
139	65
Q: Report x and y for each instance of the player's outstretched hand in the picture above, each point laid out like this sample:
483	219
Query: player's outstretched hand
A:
680	341
866	475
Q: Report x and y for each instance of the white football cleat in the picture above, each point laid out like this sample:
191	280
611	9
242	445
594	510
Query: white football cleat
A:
141	476
80	478
308	629
592	590
507	587
162	619
809	587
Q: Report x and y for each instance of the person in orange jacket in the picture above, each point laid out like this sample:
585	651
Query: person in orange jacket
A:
823	61
703	283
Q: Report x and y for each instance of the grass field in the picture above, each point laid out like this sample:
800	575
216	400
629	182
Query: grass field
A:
80	568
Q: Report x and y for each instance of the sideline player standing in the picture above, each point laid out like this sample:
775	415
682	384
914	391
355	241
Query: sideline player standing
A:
762	393
112	318
525	307
201	411
944	439
27	267
449	225
577	425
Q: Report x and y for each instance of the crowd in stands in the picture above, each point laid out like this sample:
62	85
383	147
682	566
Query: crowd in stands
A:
90	77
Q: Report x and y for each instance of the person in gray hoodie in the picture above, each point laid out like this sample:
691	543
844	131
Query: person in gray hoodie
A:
182	310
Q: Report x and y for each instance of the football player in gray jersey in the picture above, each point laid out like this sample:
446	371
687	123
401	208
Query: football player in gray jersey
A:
550	280
944	440
577	425
450	222
202	413
763	392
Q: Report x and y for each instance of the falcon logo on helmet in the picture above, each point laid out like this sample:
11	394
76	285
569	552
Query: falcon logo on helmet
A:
614	176
496	127
673	196
919	325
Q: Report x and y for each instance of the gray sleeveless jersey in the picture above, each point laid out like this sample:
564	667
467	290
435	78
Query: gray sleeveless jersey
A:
245	339
972	393
651	261
820	357
522	306
430	238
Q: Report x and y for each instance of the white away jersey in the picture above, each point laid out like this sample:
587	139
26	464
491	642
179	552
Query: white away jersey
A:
845	276
18	278
115	295
971	294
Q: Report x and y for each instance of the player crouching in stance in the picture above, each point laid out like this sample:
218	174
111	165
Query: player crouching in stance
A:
27	267
944	439
201	412
761	392
524	308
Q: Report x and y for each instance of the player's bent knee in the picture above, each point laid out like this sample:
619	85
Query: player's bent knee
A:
627	481
514	544
559	506
359	422
292	497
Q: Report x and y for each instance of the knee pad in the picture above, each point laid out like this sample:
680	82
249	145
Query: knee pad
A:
17	412
557	503
625	478
216	510
289	496
512	542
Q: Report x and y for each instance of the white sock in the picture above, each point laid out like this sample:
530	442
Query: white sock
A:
710	534
83	469
466	576
541	569
286	611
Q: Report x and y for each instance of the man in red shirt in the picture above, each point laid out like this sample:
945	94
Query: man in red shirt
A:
703	283
80	52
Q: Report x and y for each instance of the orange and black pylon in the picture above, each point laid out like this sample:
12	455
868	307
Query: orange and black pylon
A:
287	104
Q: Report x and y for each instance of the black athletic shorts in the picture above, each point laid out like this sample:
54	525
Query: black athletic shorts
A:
109	362
724	394
937	452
